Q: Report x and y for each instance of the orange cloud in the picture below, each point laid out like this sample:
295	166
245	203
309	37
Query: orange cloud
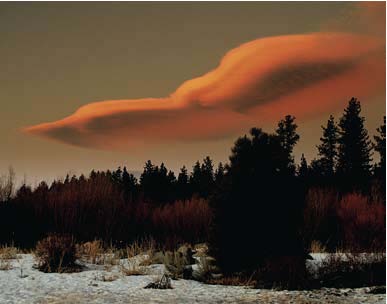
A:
256	82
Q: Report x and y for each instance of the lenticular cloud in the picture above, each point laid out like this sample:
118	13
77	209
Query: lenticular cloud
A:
259	81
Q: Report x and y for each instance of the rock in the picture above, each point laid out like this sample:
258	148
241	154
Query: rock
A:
309	257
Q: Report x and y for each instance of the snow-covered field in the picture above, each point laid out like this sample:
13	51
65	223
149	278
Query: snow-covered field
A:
93	286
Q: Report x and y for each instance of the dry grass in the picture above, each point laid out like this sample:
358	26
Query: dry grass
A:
201	250
317	247
132	269
5	264
237	280
95	253
92	251
9	252
145	246
111	257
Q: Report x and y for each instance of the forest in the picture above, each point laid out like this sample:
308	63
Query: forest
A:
260	205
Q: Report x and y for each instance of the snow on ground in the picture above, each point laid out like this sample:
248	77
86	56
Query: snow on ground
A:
88	287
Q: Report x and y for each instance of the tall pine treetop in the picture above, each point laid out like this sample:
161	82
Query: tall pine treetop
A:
327	150
354	161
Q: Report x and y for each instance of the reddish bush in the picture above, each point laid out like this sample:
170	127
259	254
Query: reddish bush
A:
190	220
96	208
353	223
362	222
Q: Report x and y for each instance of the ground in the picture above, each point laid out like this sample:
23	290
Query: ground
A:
93	285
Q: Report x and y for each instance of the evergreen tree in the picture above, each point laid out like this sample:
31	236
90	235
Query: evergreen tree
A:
183	176
327	150
195	178
380	168
219	174
258	211
207	177
157	183
182	184
288	136
129	185
303	168
93	174
117	176
147	180
202	178
380	145
354	156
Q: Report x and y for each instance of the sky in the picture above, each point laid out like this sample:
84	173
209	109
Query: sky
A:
99	85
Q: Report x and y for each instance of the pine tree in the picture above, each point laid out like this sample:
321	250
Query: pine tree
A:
355	148
183	176
195	178
328	148
288	136
219	174
117	176
303	168
380	145
148	171
182	184
260	199
93	174
129	185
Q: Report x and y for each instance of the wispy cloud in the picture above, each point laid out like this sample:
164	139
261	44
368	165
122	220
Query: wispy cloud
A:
256	82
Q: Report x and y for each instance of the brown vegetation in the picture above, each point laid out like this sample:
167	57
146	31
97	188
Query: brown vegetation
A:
56	253
352	270
353	223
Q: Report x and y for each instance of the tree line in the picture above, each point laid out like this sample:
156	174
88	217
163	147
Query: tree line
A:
261	188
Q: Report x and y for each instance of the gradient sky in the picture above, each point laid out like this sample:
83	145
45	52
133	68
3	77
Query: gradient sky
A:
306	59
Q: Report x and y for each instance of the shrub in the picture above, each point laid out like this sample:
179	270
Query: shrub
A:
320	218
283	272
353	223
352	270
56	253
363	223
189	220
